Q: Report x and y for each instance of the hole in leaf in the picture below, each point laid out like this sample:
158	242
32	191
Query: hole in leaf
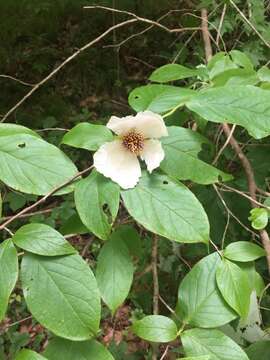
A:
165	182
136	97
22	145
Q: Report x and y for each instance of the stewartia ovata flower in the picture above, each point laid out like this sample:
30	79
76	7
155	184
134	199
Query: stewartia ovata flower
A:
137	137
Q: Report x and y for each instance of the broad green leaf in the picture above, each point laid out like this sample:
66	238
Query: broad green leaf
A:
168	208
247	106
199	300
158	98
264	74
8	273
61	349
171	72
213	343
14	129
219	64
114	272
243	251
156	328
129	235
87	136
26	354
236	77
97	202
241	59
259	350
203	357
259	284
181	157
73	225
258	218
42	239
31	165
233	283
62	294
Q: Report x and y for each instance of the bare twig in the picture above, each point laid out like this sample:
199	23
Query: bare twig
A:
40	212
251	186
155	275
17	80
249	23
221	23
44	198
224	145
58	68
206	36
165	352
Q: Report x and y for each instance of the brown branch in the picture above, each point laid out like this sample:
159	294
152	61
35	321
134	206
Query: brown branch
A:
58	68
44	198
17	80
221	23
40	212
251	186
206	35
155	287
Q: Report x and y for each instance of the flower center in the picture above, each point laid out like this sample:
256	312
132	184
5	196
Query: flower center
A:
133	142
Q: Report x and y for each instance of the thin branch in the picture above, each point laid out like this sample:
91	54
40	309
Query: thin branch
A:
251	186
249	23
224	145
17	80
155	275
221	23
165	352
58	68
44	198
206	36
40	212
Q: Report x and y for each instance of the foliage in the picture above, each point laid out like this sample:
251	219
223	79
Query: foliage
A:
75	272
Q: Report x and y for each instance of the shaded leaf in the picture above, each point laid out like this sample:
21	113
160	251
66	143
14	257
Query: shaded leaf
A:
243	251
171	72
26	354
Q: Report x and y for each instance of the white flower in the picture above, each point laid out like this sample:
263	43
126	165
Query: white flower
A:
136	137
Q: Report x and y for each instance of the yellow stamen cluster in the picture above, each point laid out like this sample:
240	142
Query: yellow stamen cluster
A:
133	142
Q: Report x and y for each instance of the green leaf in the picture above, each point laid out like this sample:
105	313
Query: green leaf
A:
8	273
158	98
87	136
264	74
61	349
243	251
247	106
92	195
156	328
114	272
219	64
73	225
258	218
31	165
199	299
168	208
26	354
62	294
259	350
171	72
181	157
233	283
241	59
213	343
42	239
129	235
204	357
13	129
236	77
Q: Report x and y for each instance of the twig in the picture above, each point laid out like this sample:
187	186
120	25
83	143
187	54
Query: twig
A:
224	145
55	71
251	186
206	36
139	18
20	321
168	307
165	352
17	80
40	212
44	198
249	23
8	231
155	275
221	23
155	287
52	129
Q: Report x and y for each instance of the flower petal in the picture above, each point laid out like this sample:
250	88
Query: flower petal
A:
147	123
122	166
150	125
152	154
122	126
